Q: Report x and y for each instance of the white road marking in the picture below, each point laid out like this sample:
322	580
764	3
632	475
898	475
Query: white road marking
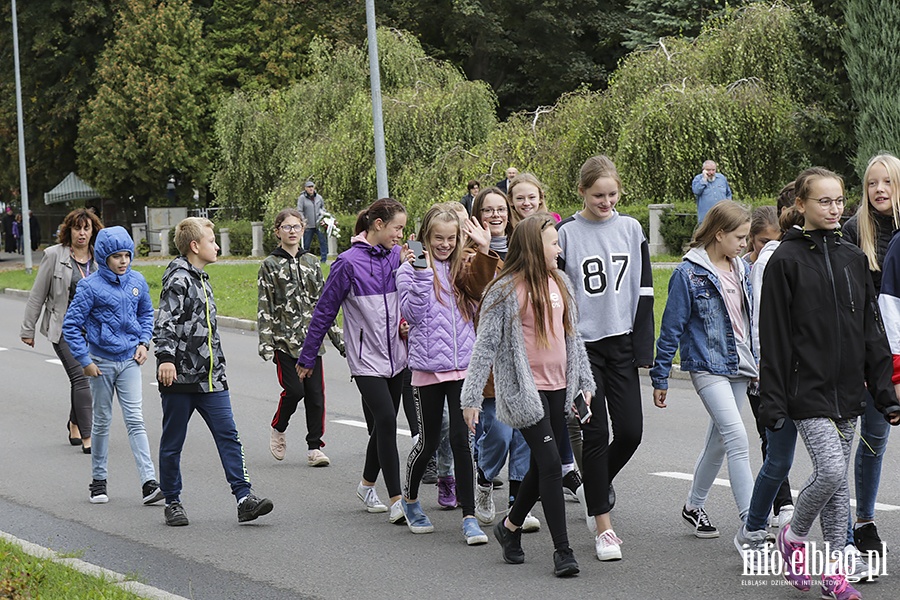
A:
362	424
725	483
54	361
3	349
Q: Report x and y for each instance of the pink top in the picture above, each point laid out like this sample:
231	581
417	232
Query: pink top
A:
423	378
548	365
734	301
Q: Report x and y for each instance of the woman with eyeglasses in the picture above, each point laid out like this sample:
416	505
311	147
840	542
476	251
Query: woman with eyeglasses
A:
823	344
290	282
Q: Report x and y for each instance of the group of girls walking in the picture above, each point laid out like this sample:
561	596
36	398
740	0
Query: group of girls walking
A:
822	359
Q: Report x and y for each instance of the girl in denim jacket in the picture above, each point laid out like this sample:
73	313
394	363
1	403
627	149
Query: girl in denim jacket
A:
708	314
441	336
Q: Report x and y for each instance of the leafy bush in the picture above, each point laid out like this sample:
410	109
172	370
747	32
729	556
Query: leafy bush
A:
240	233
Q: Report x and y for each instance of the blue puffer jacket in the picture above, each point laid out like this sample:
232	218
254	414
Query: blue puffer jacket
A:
110	315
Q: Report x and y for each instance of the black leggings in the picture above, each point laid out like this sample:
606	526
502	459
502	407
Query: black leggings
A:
430	414
381	401
81	400
619	391
311	390
409	403
544	477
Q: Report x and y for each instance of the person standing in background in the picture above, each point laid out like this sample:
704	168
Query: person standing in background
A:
312	205
709	189
472	189
511	174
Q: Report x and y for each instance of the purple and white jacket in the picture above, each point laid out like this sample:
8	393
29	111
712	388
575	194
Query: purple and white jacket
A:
362	281
440	339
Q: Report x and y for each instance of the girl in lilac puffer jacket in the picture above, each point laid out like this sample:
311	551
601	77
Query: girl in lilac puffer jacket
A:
441	337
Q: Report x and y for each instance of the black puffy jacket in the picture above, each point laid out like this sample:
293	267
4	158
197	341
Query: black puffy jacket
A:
821	335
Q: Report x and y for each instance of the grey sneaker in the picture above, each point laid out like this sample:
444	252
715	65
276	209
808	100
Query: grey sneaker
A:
755	550
370	498
175	515
855	566
484	504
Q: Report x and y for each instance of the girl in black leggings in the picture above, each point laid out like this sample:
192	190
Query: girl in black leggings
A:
527	335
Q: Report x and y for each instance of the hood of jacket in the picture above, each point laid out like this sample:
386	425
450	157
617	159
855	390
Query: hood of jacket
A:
699	256
109	241
181	264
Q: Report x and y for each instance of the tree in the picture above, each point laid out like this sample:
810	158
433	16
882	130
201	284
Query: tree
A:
650	20
150	116
59	44
873	58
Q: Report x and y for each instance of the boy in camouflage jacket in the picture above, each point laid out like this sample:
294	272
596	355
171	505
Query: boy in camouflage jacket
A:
290	282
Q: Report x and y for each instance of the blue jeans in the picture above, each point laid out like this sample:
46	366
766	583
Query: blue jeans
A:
323	241
874	431
725	436
215	408
780	446
498	441
123	379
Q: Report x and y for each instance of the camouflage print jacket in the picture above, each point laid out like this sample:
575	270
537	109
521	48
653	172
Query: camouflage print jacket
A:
185	333
289	288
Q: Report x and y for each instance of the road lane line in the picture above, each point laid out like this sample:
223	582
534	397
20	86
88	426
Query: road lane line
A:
725	483
362	425
54	361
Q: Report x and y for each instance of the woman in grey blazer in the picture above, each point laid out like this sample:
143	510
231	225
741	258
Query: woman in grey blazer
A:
63	266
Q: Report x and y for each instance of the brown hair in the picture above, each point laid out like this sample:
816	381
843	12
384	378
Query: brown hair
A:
726	216
478	204
762	218
525	263
288	212
79	218
805	179
785	197
383	208
790	217
596	167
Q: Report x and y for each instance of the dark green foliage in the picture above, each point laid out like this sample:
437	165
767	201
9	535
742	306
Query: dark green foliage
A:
871	44
650	20
677	226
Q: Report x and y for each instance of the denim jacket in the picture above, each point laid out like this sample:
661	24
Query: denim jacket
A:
696	319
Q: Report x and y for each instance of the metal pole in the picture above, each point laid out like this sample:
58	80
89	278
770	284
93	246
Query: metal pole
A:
378	121
23	175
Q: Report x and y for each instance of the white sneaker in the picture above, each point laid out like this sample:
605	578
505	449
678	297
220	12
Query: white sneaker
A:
531	524
370	498
783	517
397	516
484	503
856	567
277	444
317	458
607	545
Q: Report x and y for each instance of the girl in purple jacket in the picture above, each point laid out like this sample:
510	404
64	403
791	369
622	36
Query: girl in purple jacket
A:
362	281
441	337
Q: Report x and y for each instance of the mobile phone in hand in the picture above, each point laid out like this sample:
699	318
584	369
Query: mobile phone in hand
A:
419	251
584	411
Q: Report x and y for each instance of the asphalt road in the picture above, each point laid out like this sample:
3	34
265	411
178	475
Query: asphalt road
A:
319	542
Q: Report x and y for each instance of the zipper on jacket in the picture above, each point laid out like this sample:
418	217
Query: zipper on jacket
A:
850	291
208	334
837	315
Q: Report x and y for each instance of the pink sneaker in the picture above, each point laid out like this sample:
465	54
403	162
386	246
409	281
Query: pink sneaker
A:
837	587
795	565
447	491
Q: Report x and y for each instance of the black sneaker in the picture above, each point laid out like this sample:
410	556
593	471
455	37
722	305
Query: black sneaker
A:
431	476
497	483
151	492
511	542
571	482
699	521
252	507
98	491
866	539
175	515
564	563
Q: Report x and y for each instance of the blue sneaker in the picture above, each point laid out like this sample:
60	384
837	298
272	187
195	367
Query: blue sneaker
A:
473	533
415	518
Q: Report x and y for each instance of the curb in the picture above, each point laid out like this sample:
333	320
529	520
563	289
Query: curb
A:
117	579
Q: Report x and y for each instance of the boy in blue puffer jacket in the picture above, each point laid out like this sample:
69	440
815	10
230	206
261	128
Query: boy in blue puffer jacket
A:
108	327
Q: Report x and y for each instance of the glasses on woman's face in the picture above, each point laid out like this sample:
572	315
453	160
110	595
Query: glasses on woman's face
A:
494	211
290	228
825	202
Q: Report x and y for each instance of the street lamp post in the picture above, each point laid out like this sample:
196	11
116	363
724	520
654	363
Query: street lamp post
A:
23	175
378	121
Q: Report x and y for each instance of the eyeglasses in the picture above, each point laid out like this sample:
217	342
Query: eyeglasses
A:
290	228
826	202
494	211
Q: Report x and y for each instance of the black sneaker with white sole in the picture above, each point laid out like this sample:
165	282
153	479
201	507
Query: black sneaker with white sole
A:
151	492
699	521
98	491
253	507
571	482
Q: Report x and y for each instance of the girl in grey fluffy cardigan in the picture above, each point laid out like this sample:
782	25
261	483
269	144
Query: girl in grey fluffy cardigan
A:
538	413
